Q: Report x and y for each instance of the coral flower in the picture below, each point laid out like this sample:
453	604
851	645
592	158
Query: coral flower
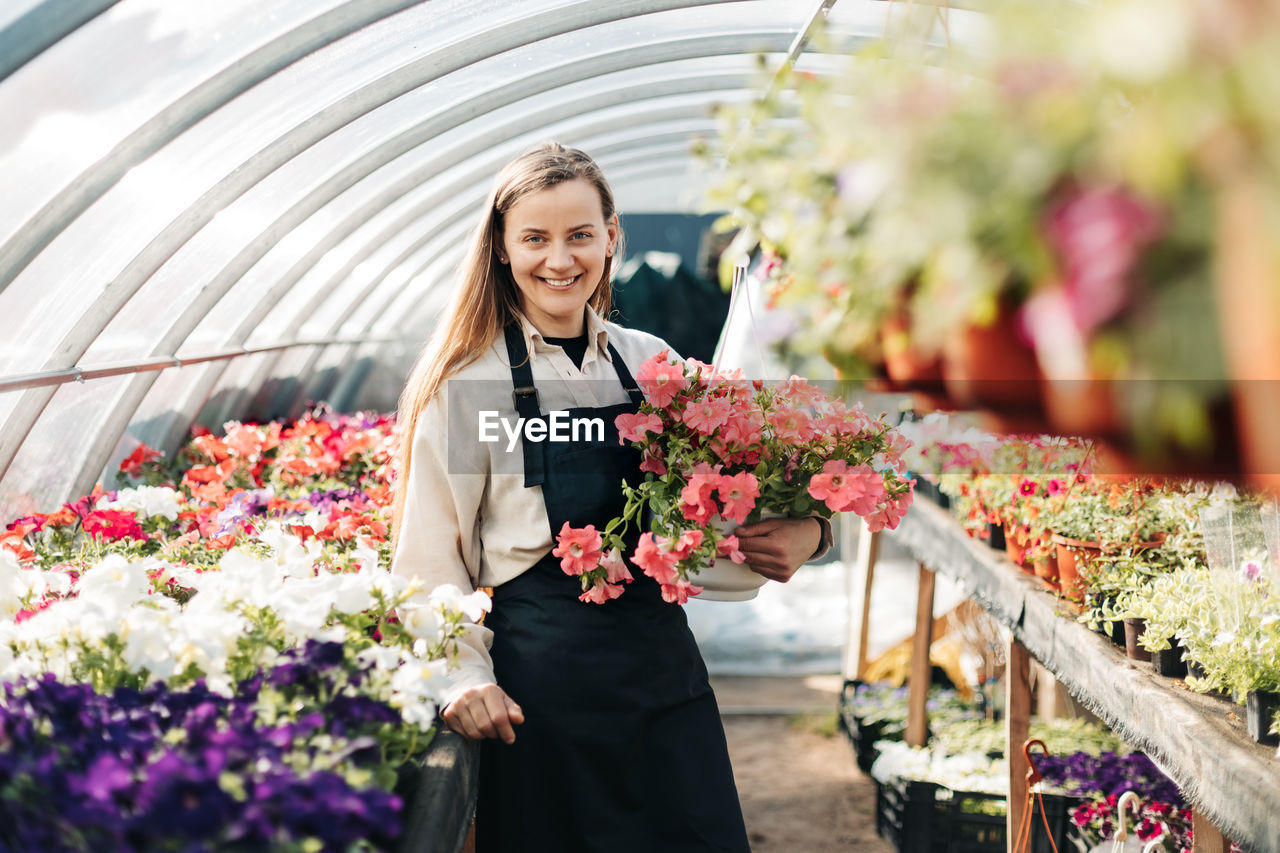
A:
578	548
634	427
738	494
697	504
679	592
656	560
792	425
660	380
728	547
706	416
845	489
615	567
601	592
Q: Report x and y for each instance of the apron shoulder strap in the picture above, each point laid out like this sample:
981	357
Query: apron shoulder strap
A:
525	396
624	375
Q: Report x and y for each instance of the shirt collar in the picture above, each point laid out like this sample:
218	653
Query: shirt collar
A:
597	335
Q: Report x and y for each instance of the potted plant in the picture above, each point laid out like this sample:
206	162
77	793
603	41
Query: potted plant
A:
720	451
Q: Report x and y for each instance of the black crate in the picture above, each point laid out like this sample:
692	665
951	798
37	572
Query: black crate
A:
862	736
923	817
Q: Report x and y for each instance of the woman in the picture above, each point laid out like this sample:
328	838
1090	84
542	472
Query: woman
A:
600	728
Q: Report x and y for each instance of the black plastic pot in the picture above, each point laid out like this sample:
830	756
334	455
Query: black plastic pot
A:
1169	662
997	537
1116	633
1262	707
1133	631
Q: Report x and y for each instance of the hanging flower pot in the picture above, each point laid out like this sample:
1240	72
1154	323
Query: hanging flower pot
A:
1261	706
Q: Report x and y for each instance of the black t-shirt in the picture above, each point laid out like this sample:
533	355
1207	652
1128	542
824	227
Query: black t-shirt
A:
575	348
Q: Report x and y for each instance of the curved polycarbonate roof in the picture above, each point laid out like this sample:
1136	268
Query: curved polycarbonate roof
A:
216	209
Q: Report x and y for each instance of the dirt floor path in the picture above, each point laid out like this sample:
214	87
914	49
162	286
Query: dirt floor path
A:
800	789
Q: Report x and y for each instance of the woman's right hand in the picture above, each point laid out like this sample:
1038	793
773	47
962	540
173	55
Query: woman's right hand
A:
484	711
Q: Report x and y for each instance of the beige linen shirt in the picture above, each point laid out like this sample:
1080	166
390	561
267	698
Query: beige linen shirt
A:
468	518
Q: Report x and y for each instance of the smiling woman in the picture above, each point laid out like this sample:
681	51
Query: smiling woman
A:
573	691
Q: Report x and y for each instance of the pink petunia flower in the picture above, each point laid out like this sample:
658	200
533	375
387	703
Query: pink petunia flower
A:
660	380
792	425
738	493
655	560
652	461
844	489
615	567
578	548
728	547
697	504
705	416
690	540
601	592
635	427
679	592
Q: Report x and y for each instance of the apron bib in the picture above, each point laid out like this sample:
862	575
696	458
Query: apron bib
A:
622	748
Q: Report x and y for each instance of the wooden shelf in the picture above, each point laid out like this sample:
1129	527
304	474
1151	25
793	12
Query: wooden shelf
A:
1200	741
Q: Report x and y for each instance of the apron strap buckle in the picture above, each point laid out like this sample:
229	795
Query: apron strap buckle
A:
526	392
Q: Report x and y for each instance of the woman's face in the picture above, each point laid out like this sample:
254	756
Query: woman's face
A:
556	241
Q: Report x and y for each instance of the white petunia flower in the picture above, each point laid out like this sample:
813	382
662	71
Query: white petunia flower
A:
147	501
473	605
116	582
420	620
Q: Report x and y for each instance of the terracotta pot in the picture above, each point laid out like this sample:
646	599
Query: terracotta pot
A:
1014	543
989	367
1082	407
1074	555
1046	569
1249	311
1133	631
903	361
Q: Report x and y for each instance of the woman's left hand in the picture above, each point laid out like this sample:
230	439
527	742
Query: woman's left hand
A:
776	547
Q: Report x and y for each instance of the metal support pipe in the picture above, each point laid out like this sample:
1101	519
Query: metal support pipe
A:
124	368
33	403
45	25
40	230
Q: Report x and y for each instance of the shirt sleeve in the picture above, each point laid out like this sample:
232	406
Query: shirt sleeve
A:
439	538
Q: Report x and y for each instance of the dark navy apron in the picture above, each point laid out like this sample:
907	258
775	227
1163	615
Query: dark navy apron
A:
622	748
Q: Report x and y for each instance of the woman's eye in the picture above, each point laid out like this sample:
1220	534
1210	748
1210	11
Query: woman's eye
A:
585	235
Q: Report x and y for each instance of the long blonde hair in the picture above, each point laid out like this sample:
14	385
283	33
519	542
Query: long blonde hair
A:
487	298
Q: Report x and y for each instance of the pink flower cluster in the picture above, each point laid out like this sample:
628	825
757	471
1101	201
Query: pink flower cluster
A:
581	553
720	449
860	490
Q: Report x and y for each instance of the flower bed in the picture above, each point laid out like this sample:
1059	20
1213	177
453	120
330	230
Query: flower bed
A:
216	655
